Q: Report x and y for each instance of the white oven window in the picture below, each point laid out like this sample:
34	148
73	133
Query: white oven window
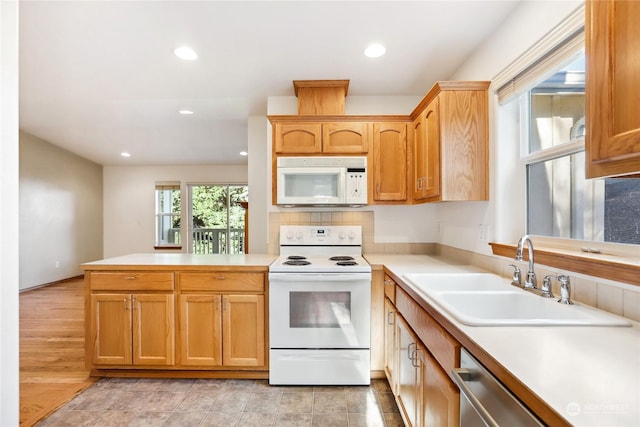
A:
317	309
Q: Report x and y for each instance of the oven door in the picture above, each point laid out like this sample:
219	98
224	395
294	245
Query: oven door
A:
319	310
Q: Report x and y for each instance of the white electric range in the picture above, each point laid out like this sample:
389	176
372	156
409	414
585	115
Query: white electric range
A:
320	307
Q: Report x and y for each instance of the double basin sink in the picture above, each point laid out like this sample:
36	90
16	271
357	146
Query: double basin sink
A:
485	299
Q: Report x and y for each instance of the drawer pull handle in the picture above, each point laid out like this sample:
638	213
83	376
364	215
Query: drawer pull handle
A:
390	318
130	277
414	358
221	277
409	351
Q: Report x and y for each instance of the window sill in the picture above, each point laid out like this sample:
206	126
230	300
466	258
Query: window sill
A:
167	248
606	266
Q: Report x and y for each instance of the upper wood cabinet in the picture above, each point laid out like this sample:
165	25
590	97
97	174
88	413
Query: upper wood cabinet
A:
426	149
297	137
389	168
612	141
300	137
451	147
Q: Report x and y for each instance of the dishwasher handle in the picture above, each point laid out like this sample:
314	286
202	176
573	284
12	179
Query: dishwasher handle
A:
461	376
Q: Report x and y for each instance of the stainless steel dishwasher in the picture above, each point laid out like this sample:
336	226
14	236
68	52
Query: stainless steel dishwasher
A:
484	401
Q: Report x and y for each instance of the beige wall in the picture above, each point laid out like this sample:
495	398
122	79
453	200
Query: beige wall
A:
129	200
60	212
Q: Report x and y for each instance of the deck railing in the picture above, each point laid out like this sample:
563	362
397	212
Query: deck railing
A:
213	240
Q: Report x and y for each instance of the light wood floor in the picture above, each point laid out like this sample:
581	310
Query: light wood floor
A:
52	367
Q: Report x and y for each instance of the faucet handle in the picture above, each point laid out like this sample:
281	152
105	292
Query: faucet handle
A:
546	287
565	289
516	279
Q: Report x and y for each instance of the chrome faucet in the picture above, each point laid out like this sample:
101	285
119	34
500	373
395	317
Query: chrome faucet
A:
530	282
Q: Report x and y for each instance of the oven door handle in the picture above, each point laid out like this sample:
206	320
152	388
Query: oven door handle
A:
318	277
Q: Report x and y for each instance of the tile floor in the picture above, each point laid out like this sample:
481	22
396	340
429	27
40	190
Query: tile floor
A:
219	402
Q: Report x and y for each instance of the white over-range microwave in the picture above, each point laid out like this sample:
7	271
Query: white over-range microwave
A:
322	181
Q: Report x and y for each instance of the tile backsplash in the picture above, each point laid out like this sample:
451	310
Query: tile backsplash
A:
362	218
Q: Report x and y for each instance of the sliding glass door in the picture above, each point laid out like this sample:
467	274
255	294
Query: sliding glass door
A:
217	219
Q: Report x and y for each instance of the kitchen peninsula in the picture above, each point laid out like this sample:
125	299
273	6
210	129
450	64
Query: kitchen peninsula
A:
177	315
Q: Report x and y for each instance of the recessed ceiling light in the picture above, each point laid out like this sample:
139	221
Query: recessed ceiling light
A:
375	50
186	53
186	112
244	153
125	154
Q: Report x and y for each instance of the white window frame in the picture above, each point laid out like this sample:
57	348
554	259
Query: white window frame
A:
531	69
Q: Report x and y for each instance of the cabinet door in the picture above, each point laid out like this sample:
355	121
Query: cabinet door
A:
389	343
408	372
440	396
431	184
352	137
463	135
201	330
111	329
390	161
612	141
419	157
243	330
153	329
297	138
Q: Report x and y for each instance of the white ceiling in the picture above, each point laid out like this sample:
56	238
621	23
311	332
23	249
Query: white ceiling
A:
99	78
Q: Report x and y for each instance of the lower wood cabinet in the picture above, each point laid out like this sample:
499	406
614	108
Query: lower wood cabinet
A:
212	320
132	329
409	375
441	401
389	343
418	355
222	330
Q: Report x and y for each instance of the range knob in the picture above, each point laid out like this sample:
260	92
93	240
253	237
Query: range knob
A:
299	235
342	235
289	235
352	235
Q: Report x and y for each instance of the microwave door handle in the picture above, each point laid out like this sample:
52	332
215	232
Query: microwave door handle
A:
342	184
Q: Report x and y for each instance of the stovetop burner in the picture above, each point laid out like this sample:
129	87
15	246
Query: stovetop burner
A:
341	258
296	262
346	263
296	257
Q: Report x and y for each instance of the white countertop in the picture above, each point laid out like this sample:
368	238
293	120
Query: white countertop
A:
588	375
183	260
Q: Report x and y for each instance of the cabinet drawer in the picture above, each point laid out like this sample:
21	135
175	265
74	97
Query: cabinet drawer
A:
131	281
444	348
390	288
221	282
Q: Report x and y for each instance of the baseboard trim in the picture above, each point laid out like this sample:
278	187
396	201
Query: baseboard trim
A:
57	282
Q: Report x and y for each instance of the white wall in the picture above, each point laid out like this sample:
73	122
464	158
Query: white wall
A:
9	244
259	194
503	216
129	200
60	212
